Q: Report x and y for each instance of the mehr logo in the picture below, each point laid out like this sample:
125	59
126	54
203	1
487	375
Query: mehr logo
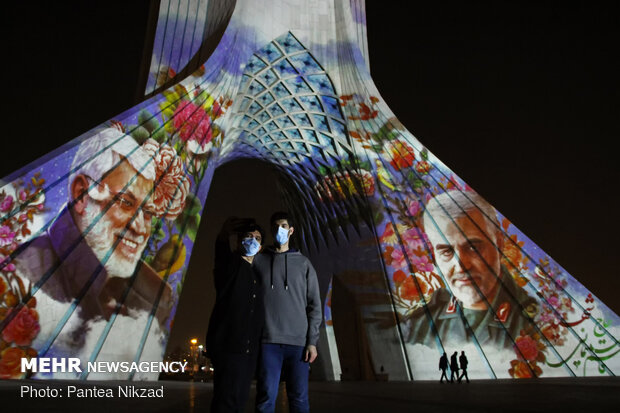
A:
51	365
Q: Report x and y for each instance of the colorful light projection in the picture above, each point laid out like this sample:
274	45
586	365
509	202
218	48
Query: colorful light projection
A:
95	238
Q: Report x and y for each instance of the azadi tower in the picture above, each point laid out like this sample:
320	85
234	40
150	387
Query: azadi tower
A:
95	237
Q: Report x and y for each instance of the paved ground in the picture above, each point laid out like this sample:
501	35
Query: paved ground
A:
595	395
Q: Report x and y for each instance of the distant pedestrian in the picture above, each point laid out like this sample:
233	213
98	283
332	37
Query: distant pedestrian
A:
443	365
454	367
463	362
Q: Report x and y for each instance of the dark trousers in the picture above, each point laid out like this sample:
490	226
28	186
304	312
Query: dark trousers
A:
453	373
464	373
288	360
443	374
233	374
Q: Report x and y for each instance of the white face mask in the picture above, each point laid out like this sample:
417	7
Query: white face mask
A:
282	235
250	246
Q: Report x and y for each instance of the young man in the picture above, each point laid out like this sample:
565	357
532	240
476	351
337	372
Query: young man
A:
443	366
463	362
454	367
237	320
292	319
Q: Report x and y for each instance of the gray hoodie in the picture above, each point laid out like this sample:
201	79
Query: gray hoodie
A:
292	300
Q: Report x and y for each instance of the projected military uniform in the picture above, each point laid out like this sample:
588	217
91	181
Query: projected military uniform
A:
499	328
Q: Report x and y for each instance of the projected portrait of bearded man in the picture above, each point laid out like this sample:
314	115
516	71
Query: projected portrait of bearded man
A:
481	299
91	254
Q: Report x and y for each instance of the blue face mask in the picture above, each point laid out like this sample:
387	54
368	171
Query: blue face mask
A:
250	247
282	236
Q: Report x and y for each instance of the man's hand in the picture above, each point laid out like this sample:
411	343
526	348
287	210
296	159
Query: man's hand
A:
310	353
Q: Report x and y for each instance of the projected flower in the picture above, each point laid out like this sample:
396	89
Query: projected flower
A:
6	235
394	257
423	167
193	123
6	204
415	239
368	182
340	185
520	370
527	347
414	208
409	290
389	236
10	363
530	351
172	185
400	153
399	277
23	328
421	263
513	259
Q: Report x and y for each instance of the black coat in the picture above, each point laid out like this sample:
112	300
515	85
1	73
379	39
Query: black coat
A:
454	364
238	316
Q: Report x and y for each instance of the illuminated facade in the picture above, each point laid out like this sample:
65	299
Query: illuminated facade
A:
95	238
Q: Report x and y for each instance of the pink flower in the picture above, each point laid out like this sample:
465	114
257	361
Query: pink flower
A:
6	204
414	208
398	258
546	317
6	236
415	239
172	185
22	218
9	267
193	122
22	195
422	264
554	301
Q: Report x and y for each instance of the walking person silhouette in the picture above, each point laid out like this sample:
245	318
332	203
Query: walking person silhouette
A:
443	365
454	367
463	362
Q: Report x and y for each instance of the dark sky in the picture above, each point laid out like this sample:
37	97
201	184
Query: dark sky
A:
520	101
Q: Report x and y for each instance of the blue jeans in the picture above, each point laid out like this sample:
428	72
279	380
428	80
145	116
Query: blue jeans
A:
288	360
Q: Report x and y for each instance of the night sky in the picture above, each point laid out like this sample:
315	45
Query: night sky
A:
520	101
